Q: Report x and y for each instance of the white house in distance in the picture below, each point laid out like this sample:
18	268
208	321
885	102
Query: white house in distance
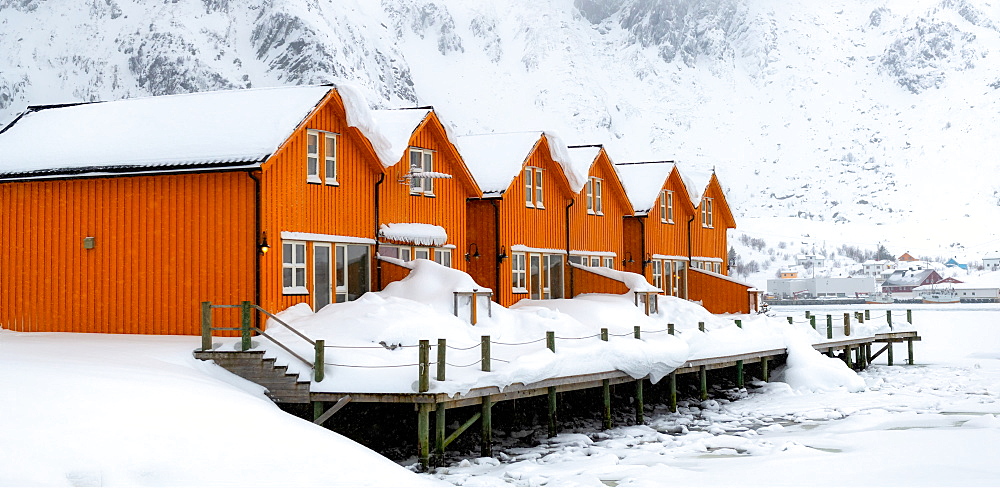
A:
991	261
822	287
878	269
985	287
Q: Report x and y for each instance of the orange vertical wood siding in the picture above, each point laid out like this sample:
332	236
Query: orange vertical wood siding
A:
163	244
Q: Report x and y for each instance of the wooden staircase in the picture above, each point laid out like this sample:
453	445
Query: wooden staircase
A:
282	386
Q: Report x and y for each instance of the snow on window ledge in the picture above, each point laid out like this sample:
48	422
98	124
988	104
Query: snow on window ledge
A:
295	291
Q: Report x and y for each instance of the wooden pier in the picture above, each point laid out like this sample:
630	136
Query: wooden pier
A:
285	387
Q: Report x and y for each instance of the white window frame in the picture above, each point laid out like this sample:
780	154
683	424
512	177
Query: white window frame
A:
442	257
657	273
330	160
421	185
598	196
519	272
289	261
706	213
667	207
312	156
421	253
609	262
534	194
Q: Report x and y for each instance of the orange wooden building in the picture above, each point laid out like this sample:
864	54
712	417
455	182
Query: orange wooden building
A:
154	205
420	200
520	225
596	221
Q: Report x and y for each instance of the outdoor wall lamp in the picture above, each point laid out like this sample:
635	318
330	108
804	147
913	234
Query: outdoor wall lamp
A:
469	257
649	259
264	247
502	255
629	259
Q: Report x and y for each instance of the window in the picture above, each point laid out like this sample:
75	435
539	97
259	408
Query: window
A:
323	145
518	273
312	157
657	274
533	195
401	253
293	268
609	262
706	213
421	253
330	156
594	195
595	261
421	164
667	206
442	257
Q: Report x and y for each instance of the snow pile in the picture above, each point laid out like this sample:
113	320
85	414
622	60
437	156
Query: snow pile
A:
634	281
372	341
414	233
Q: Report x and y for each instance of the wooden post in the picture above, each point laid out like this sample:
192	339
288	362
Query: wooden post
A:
439	410
424	376
888	318
739	374
319	361
847	324
206	325
670	329
245	325
703	375
701	326
807	314
829	326
791	320
861	317
909	317
673	391
889	351
868	314
474	304
606	391
550	342
812	322
317	410
847	356
640	412
486	442
739	323
909	349
763	369
424	435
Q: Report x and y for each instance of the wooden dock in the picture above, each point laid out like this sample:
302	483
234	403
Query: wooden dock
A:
855	351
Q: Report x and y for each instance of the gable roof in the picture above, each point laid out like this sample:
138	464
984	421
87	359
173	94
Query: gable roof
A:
585	158
496	159
643	182
205	128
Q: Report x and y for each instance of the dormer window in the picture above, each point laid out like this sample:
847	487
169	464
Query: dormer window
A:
666	203
421	169
321	145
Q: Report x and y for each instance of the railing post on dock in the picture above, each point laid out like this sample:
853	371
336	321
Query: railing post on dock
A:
319	361
670	329
829	326
812	322
245	325
425	366
847	324
439	411
206	325
640	412
861	317
486	442
739	323
807	314
791	320
606	391
909	317
550	343
701	326
868	314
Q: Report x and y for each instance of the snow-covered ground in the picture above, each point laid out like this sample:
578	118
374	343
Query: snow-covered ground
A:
932	424
115	410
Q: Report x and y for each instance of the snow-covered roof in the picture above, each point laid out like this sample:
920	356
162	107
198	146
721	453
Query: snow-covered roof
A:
696	180
634	281
643	182
496	159
397	127
224	127
582	158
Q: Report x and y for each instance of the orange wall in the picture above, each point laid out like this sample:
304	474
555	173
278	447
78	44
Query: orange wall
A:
718	295
289	203
713	242
598	233
163	244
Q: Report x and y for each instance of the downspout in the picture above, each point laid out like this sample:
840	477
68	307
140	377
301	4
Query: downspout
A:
256	244
688	267
378	262
572	273
496	248
642	245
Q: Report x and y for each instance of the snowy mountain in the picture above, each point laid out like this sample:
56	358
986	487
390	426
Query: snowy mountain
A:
854	121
